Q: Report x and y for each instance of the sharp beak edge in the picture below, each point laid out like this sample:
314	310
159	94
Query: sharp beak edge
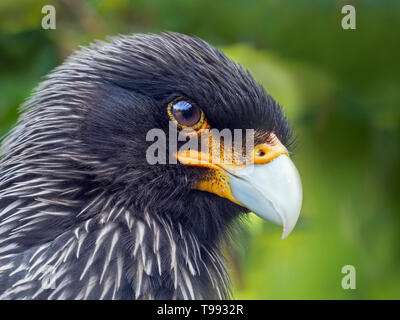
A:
273	191
269	186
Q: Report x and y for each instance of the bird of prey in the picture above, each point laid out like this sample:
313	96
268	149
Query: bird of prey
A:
85	213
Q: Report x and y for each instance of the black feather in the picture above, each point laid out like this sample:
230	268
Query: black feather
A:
82	213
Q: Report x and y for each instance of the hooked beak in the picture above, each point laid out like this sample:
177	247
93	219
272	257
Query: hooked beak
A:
269	186
273	191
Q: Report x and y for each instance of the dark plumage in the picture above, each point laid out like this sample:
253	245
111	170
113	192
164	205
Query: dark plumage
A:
82	213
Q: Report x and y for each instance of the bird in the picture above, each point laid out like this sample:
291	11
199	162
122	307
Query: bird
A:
95	203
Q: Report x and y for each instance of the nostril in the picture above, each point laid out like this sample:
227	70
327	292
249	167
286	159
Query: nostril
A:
261	153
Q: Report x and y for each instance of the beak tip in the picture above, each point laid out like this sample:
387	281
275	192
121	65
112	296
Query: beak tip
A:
272	191
285	234
290	224
287	231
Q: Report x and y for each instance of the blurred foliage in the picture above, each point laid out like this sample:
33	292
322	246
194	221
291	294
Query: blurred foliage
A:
340	89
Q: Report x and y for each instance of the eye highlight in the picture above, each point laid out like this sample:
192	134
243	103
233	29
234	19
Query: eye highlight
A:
185	114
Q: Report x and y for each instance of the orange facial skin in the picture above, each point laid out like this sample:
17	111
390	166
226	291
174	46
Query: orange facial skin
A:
216	180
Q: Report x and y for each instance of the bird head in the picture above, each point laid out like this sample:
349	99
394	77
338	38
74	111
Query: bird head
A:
150	144
152	95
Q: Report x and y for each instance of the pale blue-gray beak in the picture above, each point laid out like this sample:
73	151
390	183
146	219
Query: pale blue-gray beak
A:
267	184
272	191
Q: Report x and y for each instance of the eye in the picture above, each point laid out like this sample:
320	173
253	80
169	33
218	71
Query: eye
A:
185	114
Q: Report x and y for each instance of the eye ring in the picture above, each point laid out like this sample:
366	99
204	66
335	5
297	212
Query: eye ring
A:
185	114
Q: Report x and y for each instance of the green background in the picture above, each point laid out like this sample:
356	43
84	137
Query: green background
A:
341	91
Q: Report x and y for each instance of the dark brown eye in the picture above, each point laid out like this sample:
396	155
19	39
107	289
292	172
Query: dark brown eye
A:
185	113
